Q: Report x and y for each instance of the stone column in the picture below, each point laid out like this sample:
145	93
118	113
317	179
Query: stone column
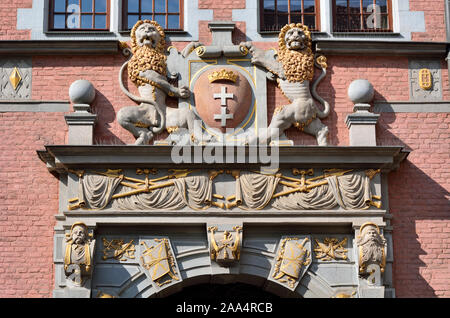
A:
81	122
361	122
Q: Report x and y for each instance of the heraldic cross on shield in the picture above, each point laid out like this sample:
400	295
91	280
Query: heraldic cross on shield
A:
223	97
159	261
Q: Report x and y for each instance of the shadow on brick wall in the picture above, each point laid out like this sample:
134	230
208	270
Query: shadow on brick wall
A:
104	109
419	203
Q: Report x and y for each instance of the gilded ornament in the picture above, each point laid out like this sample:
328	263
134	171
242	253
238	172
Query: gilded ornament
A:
322	61
331	249
291	257
118	249
159	261
200	50
425	79
222	74
15	78
371	245
78	254
226	250
344	295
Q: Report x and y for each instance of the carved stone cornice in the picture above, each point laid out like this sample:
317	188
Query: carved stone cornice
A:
386	158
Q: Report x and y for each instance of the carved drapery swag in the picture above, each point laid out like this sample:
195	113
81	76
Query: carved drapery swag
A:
96	192
254	191
350	192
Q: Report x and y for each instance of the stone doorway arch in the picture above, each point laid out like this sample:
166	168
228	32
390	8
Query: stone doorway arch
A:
197	270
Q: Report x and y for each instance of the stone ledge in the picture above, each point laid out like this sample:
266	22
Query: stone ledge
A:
326	218
55	47
411	107
63	157
34	106
381	48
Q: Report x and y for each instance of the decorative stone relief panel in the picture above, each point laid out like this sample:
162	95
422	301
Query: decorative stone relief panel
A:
225	243
15	78
158	260
425	80
292	261
175	189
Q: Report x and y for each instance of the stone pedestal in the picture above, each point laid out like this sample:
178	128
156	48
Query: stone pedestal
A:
81	123
361	125
362	122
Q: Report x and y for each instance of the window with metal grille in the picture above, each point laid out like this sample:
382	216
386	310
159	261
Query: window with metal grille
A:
277	13
362	15
79	15
168	13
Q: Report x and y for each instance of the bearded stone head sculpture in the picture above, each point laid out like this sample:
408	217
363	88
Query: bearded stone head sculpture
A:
371	246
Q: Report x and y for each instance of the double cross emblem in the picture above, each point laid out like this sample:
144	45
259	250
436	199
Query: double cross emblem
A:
223	116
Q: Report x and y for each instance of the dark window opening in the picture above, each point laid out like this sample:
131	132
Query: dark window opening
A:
275	14
168	13
79	15
362	16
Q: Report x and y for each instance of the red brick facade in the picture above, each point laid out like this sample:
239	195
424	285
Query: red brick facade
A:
418	191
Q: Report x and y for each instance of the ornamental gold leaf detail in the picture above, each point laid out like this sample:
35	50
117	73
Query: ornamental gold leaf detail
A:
222	74
331	249
118	249
15	78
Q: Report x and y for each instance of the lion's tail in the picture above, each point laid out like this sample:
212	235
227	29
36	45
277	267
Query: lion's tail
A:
137	99
326	111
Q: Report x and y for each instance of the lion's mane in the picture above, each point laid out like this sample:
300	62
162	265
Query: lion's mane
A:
145	58
298	66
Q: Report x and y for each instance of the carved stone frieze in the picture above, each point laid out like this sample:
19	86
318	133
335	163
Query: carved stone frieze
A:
177	189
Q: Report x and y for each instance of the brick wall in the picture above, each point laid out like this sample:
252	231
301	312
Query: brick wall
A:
28	203
434	20
8	14
419	202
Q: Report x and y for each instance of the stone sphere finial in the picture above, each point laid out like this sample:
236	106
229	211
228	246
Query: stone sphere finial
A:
82	92
361	91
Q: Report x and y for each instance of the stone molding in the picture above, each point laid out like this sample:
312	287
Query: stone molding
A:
59	47
382	48
63	157
34	106
411	107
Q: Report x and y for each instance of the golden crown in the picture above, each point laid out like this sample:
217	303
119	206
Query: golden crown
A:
223	74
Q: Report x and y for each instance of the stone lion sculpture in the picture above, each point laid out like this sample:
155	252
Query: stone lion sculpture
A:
293	69
147	69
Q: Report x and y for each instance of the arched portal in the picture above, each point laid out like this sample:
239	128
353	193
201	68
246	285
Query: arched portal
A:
224	291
